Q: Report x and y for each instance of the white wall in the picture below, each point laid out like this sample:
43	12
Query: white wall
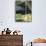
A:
31	30
39	18
7	19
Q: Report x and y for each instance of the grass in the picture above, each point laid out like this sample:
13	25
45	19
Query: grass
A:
23	18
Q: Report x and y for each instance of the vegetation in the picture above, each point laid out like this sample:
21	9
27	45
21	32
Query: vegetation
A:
27	16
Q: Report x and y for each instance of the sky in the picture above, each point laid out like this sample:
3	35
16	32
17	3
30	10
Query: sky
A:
31	30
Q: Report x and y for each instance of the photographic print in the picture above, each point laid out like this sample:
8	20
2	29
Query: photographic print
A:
23	10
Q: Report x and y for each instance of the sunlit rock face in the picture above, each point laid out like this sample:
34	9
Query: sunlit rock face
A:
39	40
